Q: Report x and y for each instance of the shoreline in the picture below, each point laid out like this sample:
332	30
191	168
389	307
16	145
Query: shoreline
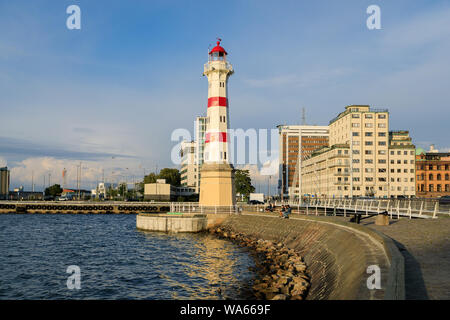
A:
281	272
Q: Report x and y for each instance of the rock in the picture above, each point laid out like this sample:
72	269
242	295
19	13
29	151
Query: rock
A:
270	295
279	297
300	268
296	297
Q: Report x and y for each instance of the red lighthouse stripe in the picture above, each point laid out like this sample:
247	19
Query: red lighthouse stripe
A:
217	102
216	137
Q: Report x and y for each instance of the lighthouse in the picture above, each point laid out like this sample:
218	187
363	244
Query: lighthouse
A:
217	174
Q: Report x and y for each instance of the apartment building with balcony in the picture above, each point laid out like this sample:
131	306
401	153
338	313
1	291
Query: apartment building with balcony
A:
357	160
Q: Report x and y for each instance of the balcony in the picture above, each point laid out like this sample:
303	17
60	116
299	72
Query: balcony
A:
217	65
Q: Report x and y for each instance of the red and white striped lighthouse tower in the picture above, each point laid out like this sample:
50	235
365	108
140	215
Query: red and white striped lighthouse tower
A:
218	69
217	175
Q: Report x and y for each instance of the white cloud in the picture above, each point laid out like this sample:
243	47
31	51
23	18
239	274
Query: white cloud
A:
3	162
114	169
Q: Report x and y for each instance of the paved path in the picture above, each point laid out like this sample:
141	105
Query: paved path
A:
425	244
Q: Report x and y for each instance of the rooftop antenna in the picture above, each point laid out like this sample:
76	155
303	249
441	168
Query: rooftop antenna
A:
303	117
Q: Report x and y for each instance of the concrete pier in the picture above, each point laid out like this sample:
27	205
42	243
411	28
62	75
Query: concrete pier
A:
172	222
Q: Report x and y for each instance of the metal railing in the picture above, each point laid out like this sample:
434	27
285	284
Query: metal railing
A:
417	208
194	207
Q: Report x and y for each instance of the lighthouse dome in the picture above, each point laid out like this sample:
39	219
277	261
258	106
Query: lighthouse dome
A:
218	49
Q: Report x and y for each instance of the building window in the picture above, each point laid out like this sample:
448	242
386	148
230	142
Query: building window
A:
438	177
369	125
369	143
438	188
355	125
382	134
381	151
430	177
368	152
369	116
369	134
355	115
447	188
446	177
382	125
430	167
382	116
355	134
381	143
382	161
369	161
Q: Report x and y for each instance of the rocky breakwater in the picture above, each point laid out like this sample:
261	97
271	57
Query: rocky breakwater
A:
281	271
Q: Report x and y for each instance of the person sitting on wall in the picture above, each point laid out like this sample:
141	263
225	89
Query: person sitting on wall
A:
282	211
287	212
270	208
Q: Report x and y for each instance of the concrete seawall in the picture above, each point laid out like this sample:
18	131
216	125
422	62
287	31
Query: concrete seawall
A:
336	253
171	223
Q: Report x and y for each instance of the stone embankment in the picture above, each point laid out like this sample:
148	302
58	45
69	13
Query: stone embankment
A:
282	270
337	255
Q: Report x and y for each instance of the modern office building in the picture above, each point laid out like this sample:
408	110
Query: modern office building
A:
200	135
297	142
362	159
4	183
192	156
188	165
433	173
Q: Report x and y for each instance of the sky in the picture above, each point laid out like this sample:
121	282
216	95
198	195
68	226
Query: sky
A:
111	94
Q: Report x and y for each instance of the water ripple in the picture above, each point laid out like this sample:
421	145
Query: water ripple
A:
116	260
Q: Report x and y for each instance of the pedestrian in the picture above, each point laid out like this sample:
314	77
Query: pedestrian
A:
287	212
283	209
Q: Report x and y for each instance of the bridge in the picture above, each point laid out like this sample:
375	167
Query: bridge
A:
82	207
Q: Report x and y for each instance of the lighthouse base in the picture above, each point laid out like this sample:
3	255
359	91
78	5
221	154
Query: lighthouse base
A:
217	185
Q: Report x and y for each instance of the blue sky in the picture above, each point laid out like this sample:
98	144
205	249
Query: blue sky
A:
112	93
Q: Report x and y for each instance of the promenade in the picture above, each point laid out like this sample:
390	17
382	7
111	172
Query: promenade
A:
425	245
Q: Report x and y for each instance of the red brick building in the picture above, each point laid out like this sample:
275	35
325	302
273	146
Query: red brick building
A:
433	174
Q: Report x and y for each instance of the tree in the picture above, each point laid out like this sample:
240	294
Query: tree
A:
53	191
243	182
172	176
